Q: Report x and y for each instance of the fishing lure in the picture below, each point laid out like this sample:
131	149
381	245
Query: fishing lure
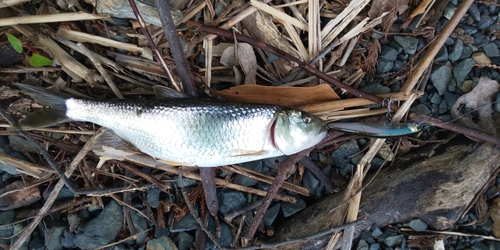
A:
376	129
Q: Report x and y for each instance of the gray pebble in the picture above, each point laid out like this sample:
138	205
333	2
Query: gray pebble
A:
469	29
187	223
436	98
140	225
398	64
442	55
466	52
388	53
53	238
271	214
153	197
64	194
271	162
384	65
449	10
491	50
486	21
184	241
409	43
230	200
342	156
443	107
480	246
450	98
374	246
421	109
440	77
67	240
496	105
418	225
449	41
362	245
456	50
6	217
452	85
376	232
161	243
480	39
5	233
312	184
245	181
487	226
102	229
393	241
37	244
377	88
290	208
462	69
474	12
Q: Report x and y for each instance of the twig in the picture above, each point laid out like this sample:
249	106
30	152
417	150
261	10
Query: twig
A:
192	211
471	133
180	61
153	45
284	170
51	18
288	57
210	190
60	184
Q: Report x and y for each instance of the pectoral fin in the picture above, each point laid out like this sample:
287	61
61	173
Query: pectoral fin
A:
172	163
250	153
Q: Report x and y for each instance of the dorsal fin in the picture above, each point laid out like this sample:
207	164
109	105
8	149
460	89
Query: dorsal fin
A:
163	92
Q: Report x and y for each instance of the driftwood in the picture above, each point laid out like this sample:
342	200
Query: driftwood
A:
437	190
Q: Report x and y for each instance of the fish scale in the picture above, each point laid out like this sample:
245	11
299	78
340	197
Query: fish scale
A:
188	131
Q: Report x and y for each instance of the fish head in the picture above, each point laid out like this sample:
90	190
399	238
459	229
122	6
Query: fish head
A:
296	130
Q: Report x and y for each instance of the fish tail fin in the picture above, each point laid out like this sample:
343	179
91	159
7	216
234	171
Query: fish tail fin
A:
47	117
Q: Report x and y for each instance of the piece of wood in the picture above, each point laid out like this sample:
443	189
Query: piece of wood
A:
436	190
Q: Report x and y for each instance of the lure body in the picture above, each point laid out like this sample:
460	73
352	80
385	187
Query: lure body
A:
376	129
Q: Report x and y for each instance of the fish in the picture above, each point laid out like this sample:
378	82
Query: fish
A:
178	130
381	130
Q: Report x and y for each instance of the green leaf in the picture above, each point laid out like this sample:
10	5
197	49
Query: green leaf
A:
16	43
38	60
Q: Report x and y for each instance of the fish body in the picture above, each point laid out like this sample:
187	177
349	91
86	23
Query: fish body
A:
188	131
376	129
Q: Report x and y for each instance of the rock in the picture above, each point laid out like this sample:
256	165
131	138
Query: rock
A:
245	181
271	214
442	55
418	225
384	65
73	221
17	195
491	50
421	109
342	156
480	246
102	229
140	225
436	98
376	232
452	85
388	53
474	12
6	217
496	105
271	162
443	107
37	244
187	223
161	243
375	247
449	10
480	39
362	245
409	43
456	50
462	69
468	29
290	208
440	77
481	58
184	241
153	197
312	184
466	52
64	194
230	200
466	86
393	241
486	21
5	233
53	238
376	88
68	240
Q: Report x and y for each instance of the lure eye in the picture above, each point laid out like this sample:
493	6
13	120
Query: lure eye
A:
306	119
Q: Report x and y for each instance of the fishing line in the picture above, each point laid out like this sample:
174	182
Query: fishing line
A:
474	110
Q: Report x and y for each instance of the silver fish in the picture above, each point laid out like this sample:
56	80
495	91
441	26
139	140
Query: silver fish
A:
187	131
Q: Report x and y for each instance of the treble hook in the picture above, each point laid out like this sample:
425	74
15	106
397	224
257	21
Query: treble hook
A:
389	101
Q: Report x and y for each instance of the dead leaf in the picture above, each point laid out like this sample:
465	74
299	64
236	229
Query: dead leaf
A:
421	8
241	55
285	96
480	99
16	195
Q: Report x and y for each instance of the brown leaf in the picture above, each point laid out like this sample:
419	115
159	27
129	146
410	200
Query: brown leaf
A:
285	96
422	6
17	195
241	55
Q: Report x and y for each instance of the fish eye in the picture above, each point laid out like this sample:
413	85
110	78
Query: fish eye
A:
306	118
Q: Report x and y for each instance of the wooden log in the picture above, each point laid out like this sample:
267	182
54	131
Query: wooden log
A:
437	190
